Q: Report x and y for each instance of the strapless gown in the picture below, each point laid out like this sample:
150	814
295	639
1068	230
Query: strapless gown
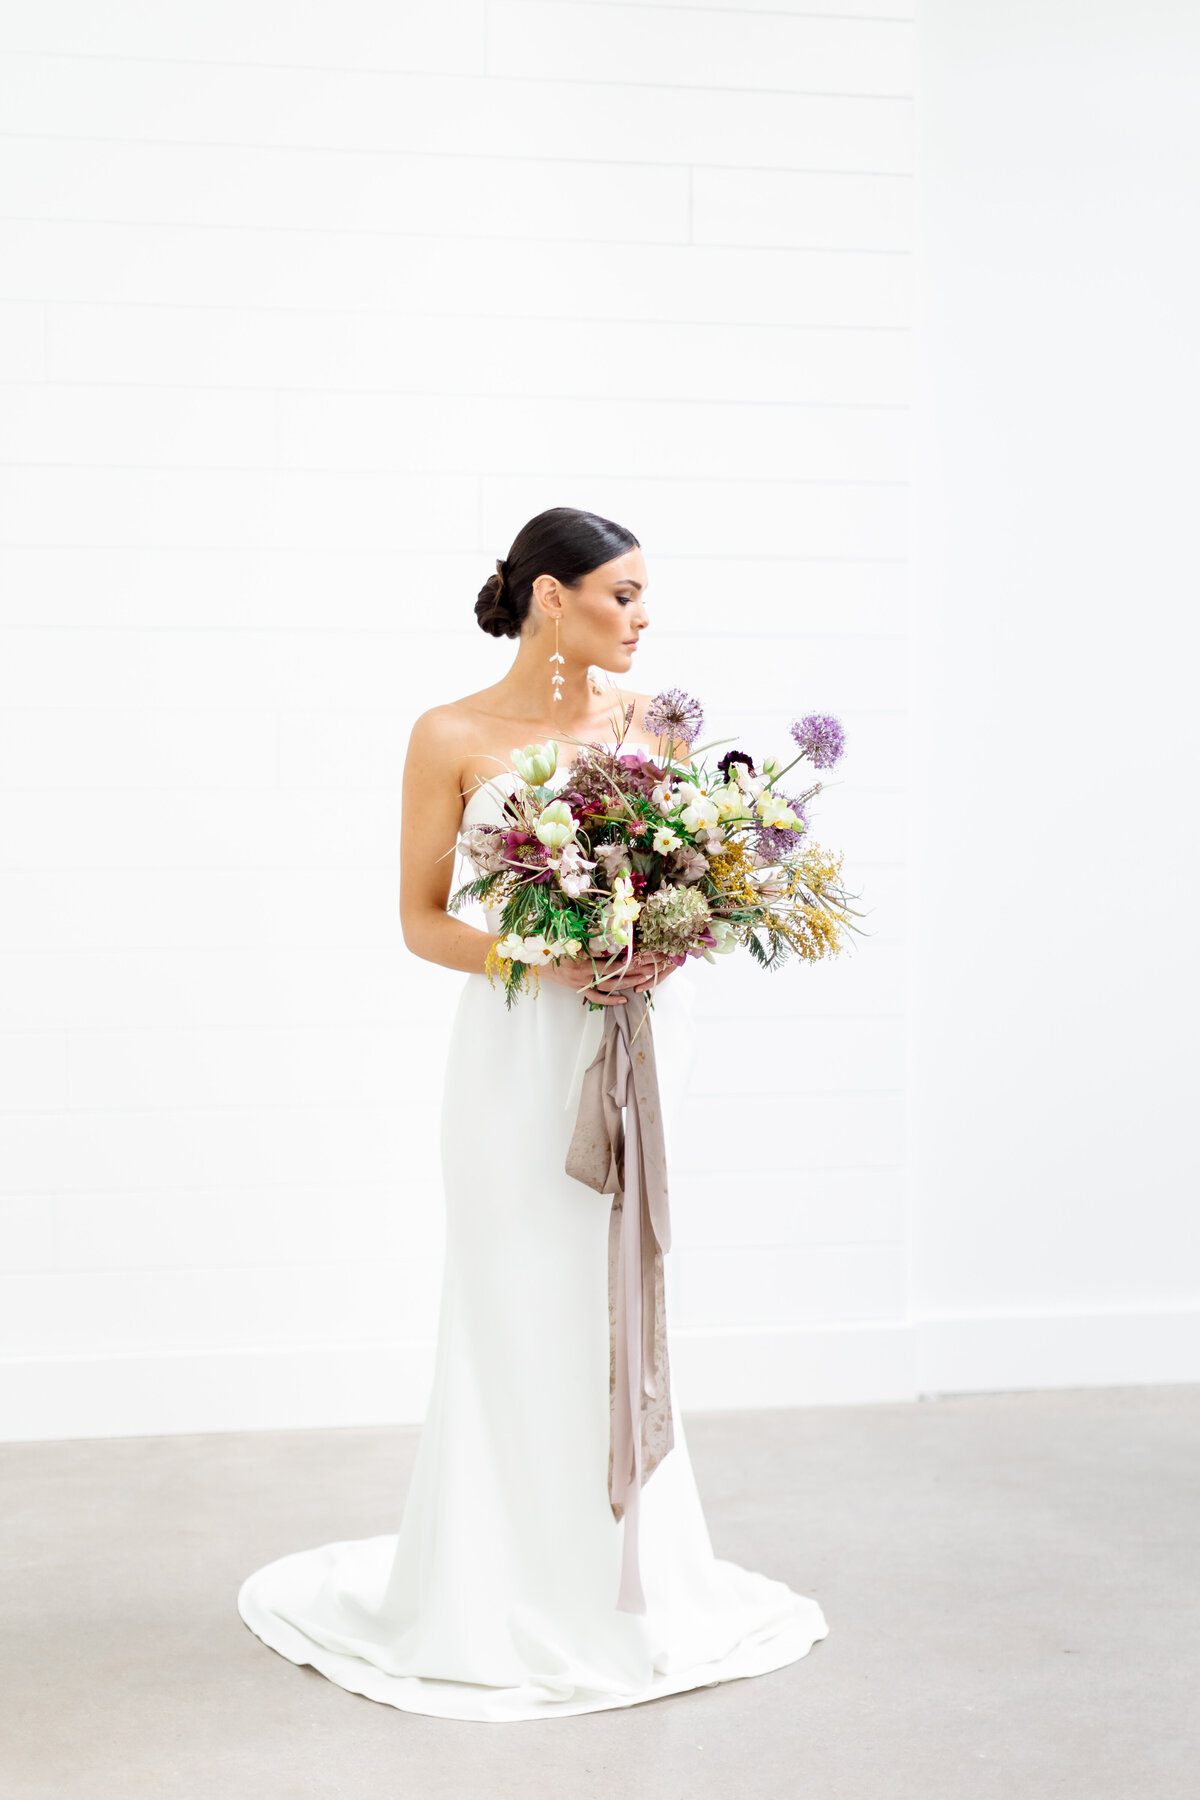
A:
496	1597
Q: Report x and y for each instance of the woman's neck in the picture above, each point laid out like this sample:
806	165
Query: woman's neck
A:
527	691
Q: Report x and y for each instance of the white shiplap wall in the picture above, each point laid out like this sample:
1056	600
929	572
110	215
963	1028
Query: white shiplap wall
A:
305	311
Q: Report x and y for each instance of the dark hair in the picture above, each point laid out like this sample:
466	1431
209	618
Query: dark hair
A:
563	542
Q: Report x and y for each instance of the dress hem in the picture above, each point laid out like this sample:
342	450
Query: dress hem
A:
444	1698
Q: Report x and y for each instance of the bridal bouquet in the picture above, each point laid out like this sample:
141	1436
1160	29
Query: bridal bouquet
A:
662	855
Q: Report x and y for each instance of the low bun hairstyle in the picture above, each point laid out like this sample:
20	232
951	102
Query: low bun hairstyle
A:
563	542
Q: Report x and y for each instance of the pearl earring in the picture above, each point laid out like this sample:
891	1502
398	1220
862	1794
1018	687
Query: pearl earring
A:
556	680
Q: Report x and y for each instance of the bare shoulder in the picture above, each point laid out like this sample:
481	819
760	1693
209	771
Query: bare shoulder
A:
446	739
440	739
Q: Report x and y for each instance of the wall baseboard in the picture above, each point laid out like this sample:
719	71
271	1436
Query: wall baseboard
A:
735	1369
978	1354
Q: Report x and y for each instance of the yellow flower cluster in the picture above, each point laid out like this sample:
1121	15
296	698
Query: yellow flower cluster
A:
730	868
813	927
811	932
816	869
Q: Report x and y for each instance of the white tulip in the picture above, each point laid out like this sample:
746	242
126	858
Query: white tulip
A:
536	763
556	825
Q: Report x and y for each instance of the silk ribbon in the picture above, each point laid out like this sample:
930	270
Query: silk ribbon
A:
617	1148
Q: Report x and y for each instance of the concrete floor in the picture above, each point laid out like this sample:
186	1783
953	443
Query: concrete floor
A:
1011	1584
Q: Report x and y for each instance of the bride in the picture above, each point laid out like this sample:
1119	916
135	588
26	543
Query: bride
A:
496	1599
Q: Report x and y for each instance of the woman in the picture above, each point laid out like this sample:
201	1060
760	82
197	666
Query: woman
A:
497	1599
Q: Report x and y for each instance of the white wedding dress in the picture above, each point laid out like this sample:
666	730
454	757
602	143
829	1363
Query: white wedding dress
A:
496	1599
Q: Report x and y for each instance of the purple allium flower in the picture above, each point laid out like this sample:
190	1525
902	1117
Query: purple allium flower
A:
732	756
675	714
820	737
776	841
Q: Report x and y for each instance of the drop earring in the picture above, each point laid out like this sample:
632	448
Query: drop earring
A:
556	680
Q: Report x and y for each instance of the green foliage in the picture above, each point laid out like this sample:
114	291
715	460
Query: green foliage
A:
755	948
478	889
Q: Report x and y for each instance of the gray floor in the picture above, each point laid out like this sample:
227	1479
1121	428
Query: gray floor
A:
1010	1581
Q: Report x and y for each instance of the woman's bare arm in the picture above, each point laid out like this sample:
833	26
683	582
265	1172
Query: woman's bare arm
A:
432	809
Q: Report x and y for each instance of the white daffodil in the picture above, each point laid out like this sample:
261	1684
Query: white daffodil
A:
772	809
536	763
623	894
689	792
730	803
662	795
556	825
625	910
533	950
665	840
563	947
699	813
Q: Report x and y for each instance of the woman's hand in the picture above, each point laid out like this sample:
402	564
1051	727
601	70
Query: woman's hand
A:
616	979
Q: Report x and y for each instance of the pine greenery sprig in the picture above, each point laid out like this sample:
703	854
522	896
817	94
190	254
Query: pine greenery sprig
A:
478	889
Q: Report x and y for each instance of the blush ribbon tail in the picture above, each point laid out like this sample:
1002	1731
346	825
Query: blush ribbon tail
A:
617	1148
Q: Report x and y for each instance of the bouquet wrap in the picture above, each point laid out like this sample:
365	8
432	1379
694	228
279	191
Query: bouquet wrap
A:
626	1157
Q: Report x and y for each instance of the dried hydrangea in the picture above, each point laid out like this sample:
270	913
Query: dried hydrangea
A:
599	776
820	737
673	921
674	714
